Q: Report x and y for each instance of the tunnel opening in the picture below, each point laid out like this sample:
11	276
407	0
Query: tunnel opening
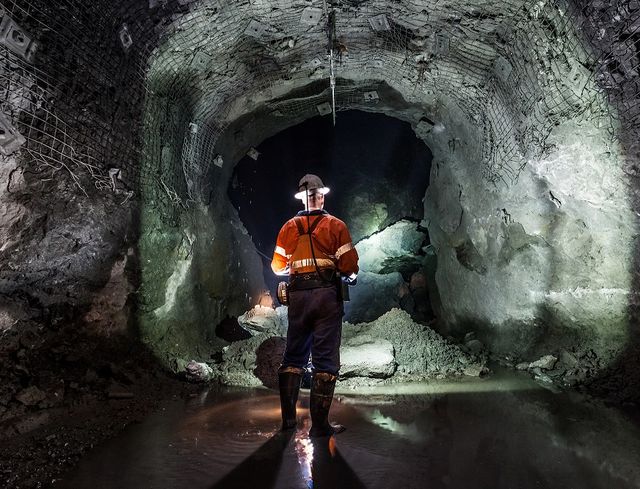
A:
378	172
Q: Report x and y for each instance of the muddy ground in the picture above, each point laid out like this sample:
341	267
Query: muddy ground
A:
62	392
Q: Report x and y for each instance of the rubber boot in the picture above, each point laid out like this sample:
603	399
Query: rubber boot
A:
289	379
322	386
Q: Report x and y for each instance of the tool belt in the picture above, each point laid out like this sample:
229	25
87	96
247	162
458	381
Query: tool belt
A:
306	281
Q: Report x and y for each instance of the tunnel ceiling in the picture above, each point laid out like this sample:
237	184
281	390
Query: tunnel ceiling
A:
506	71
511	71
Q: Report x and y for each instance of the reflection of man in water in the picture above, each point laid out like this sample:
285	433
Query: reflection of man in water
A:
314	248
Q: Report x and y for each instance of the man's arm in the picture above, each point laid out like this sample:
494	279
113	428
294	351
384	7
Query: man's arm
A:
347	255
282	252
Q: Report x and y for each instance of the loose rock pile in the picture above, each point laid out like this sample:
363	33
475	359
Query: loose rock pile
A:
63	391
564	368
392	348
420	352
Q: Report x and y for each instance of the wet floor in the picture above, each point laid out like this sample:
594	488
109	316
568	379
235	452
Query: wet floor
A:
502	432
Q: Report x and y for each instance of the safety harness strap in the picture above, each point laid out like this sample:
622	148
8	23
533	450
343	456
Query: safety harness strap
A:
313	227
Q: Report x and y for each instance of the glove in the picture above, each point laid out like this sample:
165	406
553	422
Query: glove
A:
351	280
284	272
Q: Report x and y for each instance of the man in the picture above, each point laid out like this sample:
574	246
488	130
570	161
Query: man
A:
314	249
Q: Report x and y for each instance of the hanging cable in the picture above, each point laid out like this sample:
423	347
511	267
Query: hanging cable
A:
331	37
332	82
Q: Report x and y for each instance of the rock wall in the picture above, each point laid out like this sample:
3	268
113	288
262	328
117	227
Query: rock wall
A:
545	264
67	214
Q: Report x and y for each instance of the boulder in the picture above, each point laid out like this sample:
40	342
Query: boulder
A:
198	372
30	396
475	370
474	346
366	356
568	359
546	362
260	320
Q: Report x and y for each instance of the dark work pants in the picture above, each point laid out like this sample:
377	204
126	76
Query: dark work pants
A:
315	326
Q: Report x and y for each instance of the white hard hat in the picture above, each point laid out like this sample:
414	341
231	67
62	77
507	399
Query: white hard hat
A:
308	183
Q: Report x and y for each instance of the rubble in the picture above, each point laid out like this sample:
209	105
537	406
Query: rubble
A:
30	396
80	391
419	351
392	347
581	369
546	362
252	362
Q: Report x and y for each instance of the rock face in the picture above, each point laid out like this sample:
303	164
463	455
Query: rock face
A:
400	240
391	264
534	264
373	295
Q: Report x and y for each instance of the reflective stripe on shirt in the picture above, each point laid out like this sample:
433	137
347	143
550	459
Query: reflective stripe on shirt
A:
280	251
310	262
343	249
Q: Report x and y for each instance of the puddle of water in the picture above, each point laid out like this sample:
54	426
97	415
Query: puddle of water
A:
502	432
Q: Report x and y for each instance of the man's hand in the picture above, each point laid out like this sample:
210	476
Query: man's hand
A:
284	272
351	280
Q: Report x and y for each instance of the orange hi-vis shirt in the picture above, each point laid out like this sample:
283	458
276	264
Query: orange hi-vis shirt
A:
331	244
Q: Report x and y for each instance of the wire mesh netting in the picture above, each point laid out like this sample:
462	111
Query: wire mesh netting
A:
137	94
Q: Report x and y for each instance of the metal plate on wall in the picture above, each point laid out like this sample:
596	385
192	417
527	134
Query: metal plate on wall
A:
371	96
125	38
10	138
200	59
325	109
15	38
311	16
255	29
502	68
379	23
441	43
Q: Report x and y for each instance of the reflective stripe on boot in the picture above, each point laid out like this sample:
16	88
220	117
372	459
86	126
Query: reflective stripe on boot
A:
289	380
322	387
